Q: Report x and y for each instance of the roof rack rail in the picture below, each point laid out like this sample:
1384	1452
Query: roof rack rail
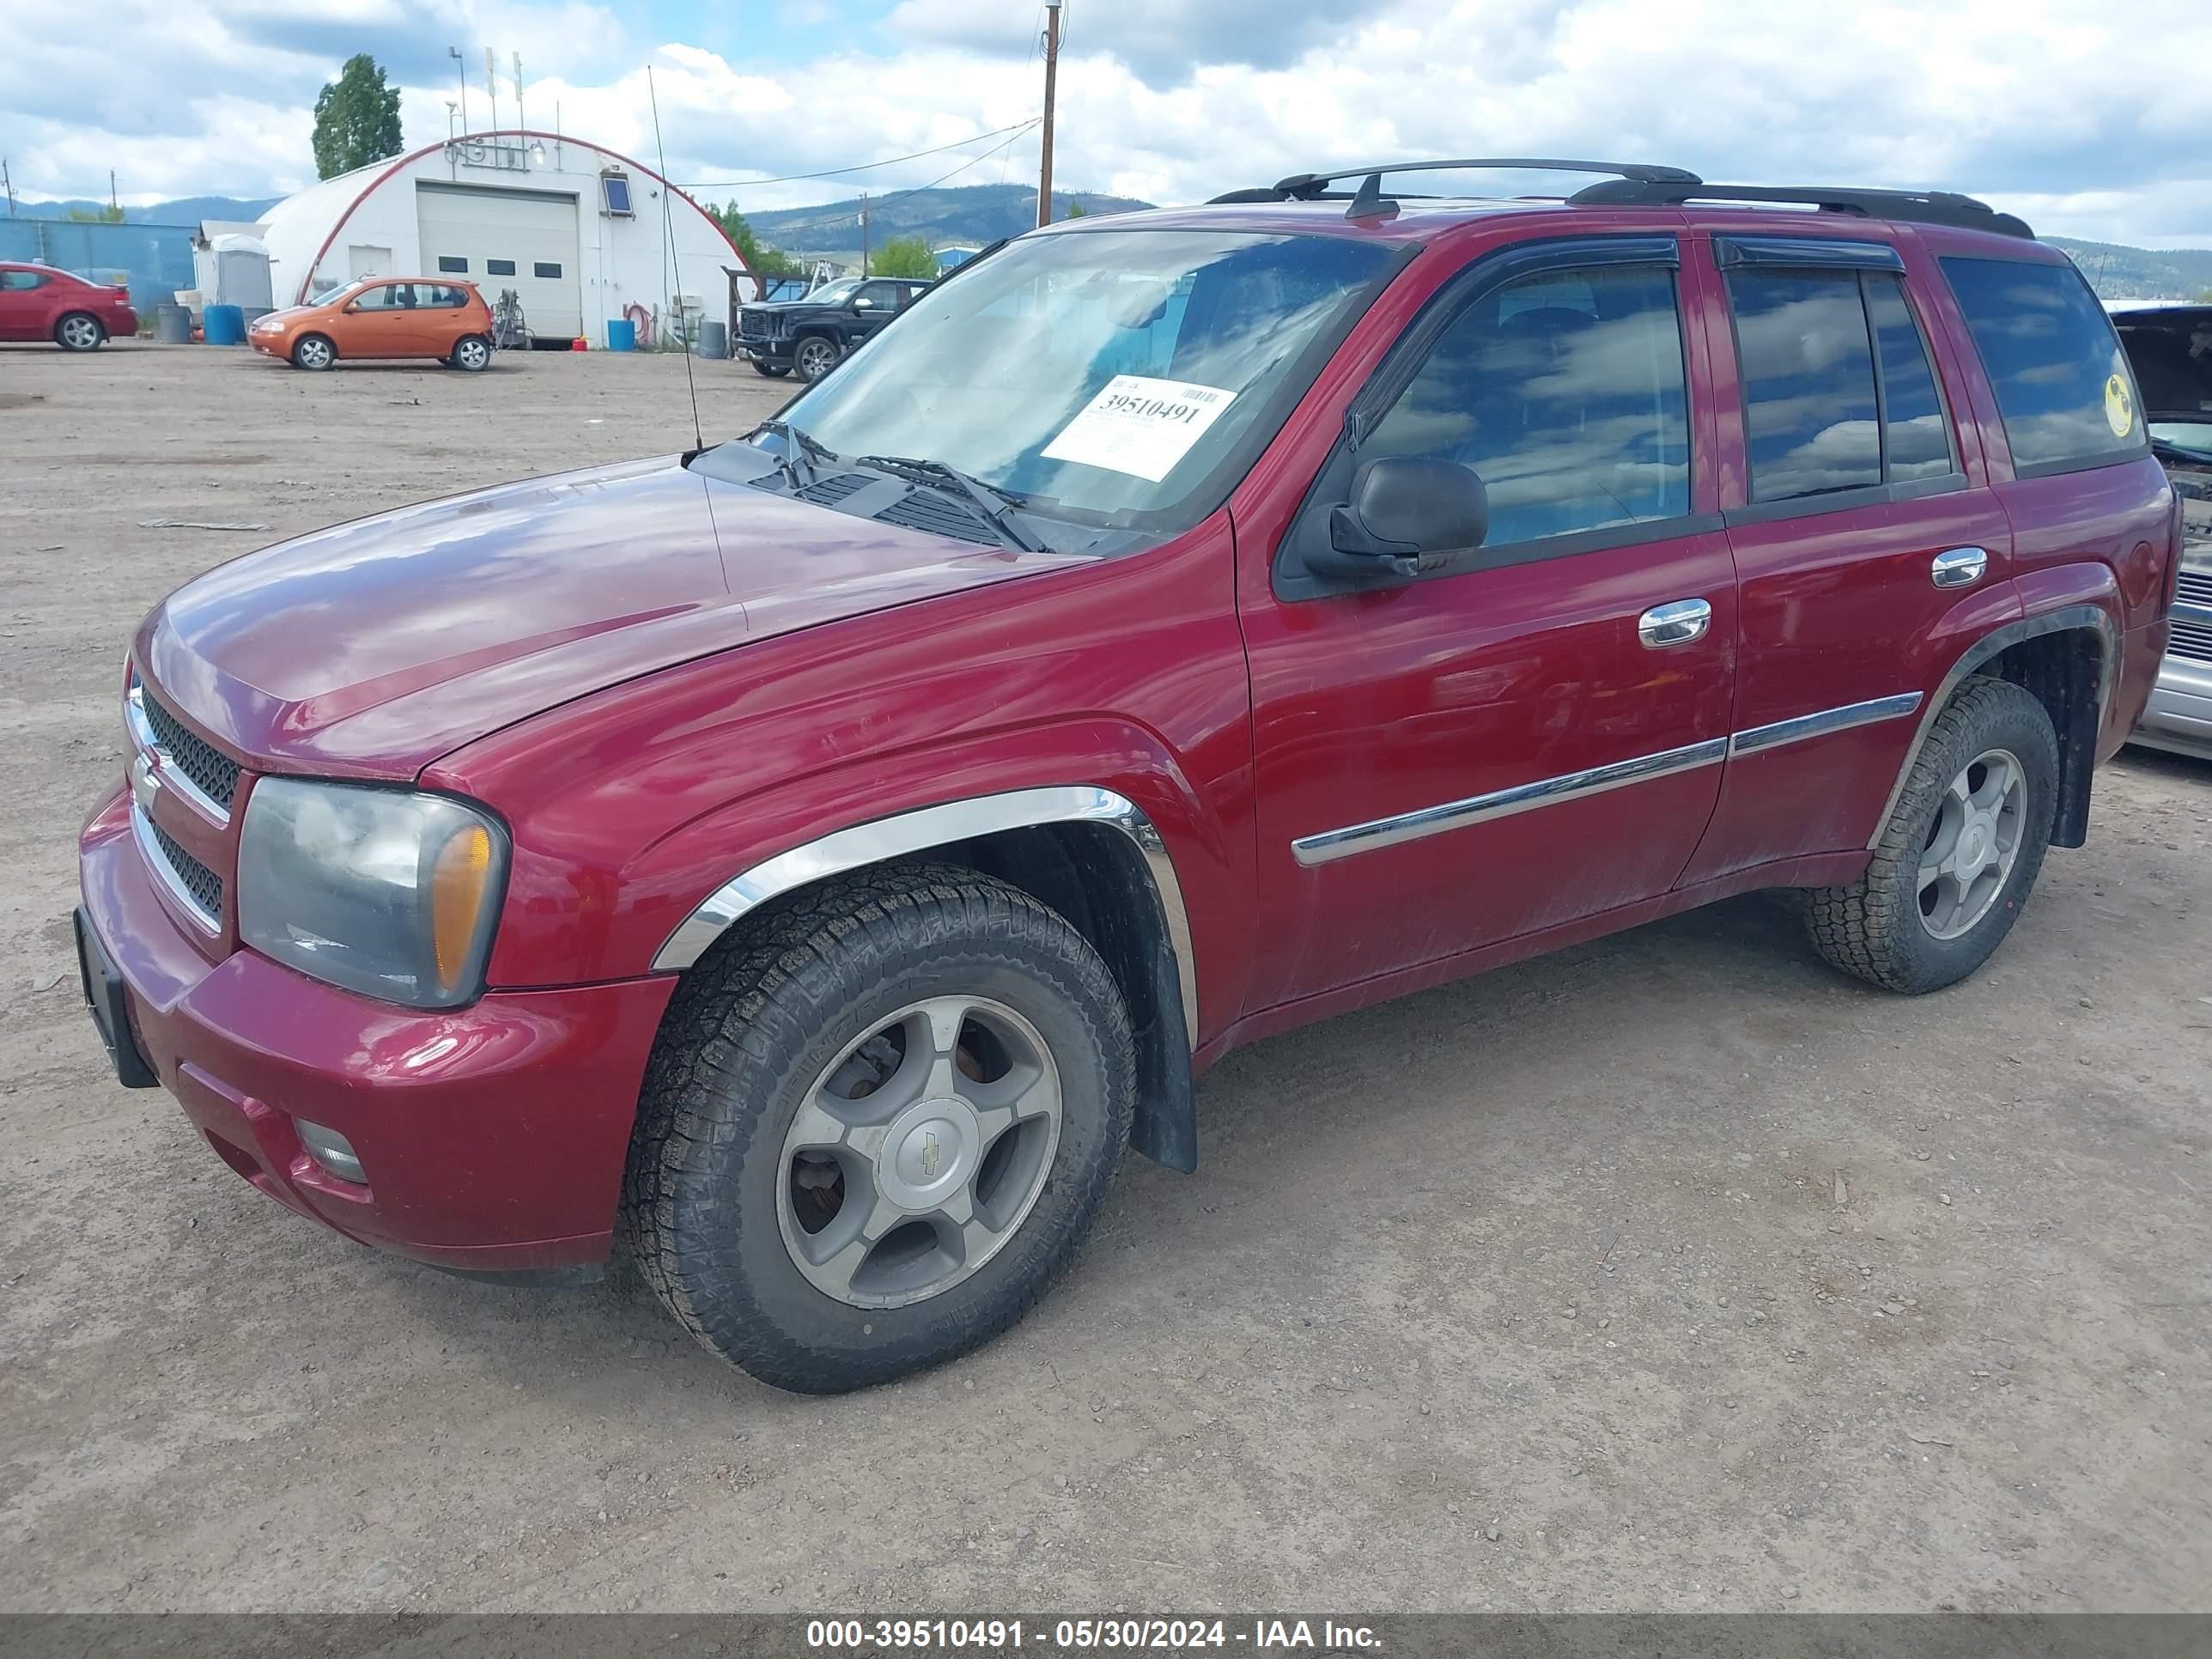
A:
1369	202
1931	207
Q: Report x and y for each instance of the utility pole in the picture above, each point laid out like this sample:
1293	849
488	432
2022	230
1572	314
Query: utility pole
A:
8	180
113	210
863	233
461	69
1051	78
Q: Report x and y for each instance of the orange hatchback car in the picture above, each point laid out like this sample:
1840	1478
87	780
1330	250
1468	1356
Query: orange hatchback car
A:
382	317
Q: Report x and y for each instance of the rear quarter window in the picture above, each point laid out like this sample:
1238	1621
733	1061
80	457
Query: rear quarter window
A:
2062	383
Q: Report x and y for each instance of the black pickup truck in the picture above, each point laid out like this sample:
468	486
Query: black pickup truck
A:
814	334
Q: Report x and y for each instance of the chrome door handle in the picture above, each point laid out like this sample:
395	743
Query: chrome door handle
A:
1962	567
1680	622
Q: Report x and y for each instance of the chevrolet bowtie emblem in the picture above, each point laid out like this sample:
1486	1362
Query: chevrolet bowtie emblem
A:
930	1155
145	783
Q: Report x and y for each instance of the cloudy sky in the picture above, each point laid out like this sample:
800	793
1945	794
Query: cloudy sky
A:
2090	118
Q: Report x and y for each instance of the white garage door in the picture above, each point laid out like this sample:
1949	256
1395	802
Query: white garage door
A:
502	239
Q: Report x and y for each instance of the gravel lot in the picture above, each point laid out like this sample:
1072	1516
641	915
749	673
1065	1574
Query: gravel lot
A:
1670	1272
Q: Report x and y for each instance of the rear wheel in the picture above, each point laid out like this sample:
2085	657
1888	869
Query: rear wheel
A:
80	331
876	1129
815	356
473	353
1960	851
314	351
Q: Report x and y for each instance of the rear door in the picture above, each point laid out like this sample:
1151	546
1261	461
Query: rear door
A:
1521	738
1867	549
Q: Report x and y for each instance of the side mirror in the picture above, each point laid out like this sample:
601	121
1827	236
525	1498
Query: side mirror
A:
1408	515
864	304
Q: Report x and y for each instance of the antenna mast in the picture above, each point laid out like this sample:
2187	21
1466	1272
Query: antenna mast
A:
668	228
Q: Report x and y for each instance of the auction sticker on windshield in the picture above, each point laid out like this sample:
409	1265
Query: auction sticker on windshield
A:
1139	426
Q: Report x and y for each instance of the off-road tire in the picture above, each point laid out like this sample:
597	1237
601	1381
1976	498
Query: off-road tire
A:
751	1028
1872	928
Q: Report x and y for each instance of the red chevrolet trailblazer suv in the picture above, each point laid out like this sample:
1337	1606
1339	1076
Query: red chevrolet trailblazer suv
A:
811	859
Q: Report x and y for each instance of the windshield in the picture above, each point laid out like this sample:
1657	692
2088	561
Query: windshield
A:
1124	377
830	293
2192	438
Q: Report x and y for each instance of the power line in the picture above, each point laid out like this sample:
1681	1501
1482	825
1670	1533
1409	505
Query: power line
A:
864	166
965	165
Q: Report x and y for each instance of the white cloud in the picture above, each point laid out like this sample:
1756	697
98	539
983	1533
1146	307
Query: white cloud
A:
2073	112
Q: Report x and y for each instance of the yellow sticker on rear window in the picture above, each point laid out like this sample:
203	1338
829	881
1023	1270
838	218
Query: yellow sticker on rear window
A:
2119	406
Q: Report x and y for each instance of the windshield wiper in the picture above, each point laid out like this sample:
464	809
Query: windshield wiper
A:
993	503
797	445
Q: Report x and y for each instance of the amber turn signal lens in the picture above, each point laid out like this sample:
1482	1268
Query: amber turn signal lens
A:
457	896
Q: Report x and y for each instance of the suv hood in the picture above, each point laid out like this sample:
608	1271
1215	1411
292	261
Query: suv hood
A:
371	649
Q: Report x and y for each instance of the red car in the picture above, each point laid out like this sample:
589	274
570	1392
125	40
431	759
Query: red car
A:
37	303
813	858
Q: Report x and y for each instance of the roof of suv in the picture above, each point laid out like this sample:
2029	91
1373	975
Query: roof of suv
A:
1306	202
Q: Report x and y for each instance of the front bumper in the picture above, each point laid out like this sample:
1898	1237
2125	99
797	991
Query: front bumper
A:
492	1137
2179	716
774	353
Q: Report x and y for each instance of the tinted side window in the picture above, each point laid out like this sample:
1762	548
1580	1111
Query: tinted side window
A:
1916	435
1563	391
2061	384
22	281
1810	422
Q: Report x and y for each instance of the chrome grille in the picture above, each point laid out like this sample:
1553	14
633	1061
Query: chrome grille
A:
185	876
2187	637
213	772
2196	587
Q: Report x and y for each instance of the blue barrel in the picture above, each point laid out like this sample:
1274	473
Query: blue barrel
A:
224	326
621	334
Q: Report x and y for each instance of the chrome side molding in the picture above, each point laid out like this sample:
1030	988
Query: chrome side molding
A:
1332	844
908	833
1821	722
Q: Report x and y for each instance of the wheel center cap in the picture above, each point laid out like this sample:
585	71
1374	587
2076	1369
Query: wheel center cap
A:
929	1153
1973	846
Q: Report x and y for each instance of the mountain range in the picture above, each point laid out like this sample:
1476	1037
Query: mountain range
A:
185	211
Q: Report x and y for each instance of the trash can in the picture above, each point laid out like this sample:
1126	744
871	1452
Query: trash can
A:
713	339
172	325
621	334
224	326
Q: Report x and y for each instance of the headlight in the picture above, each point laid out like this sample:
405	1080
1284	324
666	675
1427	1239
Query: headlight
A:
382	891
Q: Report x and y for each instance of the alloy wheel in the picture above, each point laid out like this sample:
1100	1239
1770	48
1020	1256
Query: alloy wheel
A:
1972	843
313	353
80	333
919	1151
472	353
815	359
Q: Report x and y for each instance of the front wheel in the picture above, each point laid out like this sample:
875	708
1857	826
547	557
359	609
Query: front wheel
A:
79	333
877	1127
771	371
473	353
1960	851
313	352
815	355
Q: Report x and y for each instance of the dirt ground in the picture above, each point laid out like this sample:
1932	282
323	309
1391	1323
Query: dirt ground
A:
1671	1272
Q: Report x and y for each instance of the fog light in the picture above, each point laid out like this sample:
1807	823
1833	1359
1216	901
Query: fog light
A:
330	1149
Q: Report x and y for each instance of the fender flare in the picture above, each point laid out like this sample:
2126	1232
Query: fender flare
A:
904	833
2065	619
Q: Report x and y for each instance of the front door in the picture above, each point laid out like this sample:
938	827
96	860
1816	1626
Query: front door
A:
1865	562
384	323
873	307
1533	734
